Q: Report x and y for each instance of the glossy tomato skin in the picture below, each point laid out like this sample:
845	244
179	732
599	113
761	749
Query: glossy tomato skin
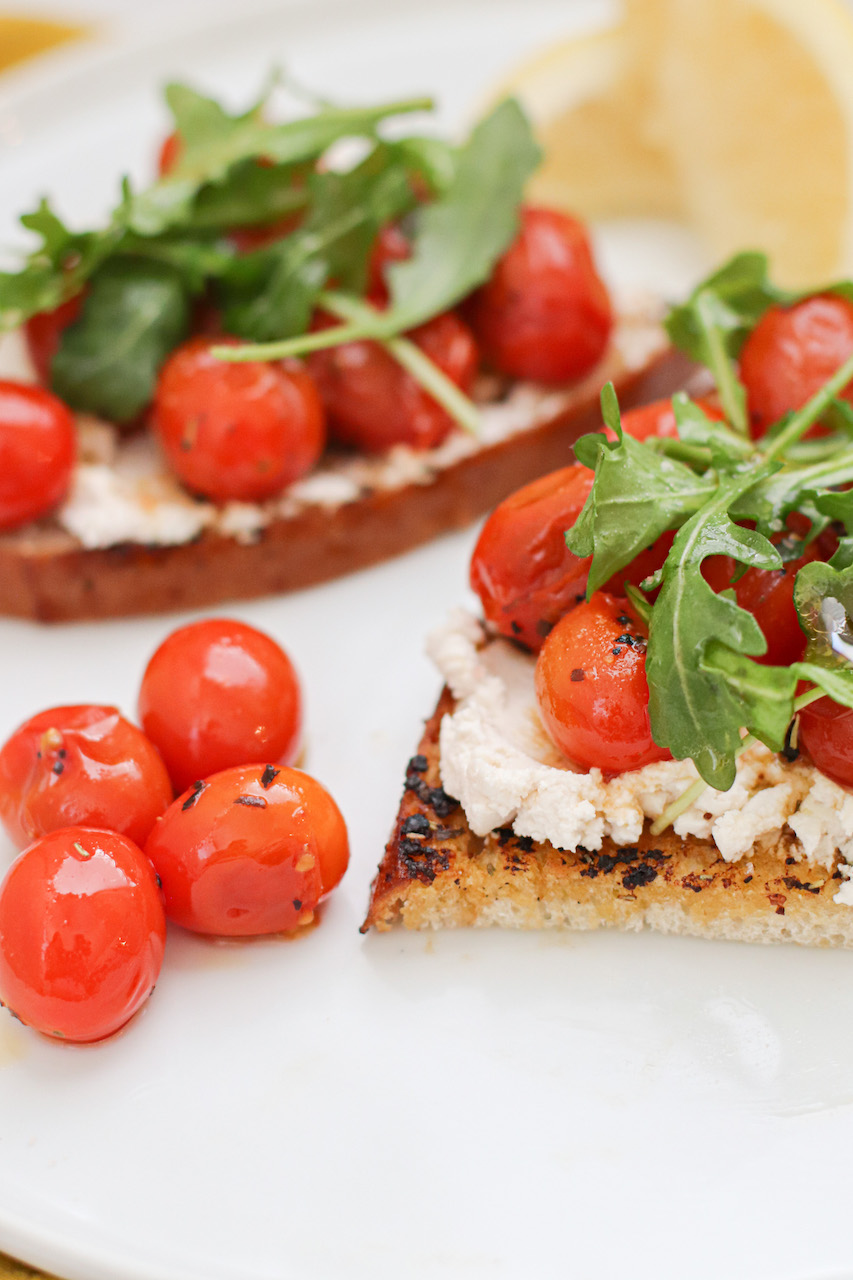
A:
521	568
791	353
241	431
658	419
591	687
371	401
44	333
38	448
768	594
82	933
249	851
219	693
81	766
545	313
826	733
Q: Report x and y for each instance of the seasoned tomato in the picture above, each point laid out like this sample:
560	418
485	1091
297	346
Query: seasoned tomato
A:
545	313
373	403
591	687
791	353
826	733
81	766
240	431
38	446
249	851
44	333
522	570
219	693
768	594
82	933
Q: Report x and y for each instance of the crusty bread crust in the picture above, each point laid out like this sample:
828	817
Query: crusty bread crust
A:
45	574
437	874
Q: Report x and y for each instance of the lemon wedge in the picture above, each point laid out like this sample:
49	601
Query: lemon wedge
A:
735	115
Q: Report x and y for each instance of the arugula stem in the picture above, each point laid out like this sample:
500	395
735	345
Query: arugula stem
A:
433	380
722	368
812	410
363	321
694	791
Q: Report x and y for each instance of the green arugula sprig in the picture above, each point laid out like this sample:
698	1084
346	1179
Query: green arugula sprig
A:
168	244
725	495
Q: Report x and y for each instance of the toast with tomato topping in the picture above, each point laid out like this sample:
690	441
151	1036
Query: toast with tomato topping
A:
436	873
129	540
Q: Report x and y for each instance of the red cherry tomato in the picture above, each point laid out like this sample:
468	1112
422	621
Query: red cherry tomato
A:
219	693
250	850
373	403
44	332
768	594
82	933
826	733
391	246
591	687
522	570
545	313
38	445
239	431
791	353
81	766
658	419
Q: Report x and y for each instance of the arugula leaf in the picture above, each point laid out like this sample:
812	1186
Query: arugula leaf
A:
458	238
214	141
55	270
271	293
765	693
714	321
249	195
638	494
725	447
135	313
694	710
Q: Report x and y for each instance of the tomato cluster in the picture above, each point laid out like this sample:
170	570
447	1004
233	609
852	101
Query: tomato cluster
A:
590	673
244	431
251	845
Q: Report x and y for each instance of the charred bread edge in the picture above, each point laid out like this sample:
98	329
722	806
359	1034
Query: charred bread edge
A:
437	874
55	583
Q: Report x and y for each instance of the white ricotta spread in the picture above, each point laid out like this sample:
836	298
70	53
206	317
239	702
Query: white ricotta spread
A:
123	491
497	760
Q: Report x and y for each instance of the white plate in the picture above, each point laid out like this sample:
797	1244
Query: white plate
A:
467	1105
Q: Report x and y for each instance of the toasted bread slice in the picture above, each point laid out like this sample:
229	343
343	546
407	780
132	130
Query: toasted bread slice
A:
48	573
436	873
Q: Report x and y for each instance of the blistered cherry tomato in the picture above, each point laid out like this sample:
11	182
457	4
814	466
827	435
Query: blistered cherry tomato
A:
591	687
826	733
219	693
38	446
791	353
239	431
251	850
522	570
373	403
82	933
44	332
768	594
81	766
545	313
